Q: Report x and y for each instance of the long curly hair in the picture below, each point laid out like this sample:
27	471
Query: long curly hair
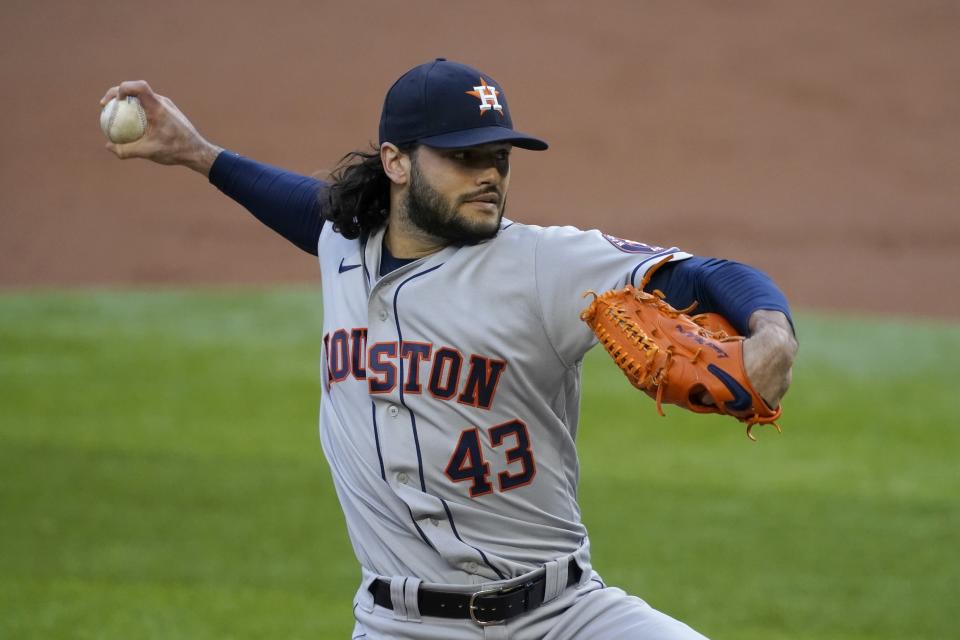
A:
358	198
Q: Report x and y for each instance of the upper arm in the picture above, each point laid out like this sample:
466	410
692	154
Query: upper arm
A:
288	203
569	262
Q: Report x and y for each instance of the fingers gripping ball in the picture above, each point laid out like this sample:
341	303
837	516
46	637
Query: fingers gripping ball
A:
123	121
676	358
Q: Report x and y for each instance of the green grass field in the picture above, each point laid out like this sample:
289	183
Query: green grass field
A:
161	477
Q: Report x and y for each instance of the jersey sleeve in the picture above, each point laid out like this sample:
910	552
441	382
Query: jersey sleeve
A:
569	262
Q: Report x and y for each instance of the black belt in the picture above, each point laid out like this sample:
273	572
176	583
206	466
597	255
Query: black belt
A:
488	606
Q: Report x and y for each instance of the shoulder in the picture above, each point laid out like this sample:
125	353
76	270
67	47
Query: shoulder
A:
512	233
519	239
570	238
560	241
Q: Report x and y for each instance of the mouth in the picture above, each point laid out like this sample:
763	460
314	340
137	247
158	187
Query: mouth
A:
485	198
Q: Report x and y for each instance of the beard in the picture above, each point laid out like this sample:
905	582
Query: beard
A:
434	214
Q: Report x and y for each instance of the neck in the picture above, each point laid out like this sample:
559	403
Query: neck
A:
406	240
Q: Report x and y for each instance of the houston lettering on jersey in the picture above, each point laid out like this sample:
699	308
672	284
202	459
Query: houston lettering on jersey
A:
442	371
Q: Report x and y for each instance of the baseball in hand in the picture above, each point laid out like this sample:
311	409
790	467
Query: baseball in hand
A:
124	120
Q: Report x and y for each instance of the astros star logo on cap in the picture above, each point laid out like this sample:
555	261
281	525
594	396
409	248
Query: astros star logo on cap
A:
435	104
487	93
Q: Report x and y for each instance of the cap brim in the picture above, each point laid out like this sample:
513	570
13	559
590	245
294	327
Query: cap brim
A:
484	135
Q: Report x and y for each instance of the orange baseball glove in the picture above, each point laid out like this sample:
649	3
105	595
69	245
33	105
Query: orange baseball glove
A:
676	358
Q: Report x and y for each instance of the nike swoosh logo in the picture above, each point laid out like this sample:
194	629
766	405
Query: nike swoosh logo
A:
348	267
742	400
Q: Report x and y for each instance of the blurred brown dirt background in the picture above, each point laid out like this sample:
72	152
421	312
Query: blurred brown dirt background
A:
819	141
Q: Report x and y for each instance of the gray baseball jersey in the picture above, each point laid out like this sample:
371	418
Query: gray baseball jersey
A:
451	391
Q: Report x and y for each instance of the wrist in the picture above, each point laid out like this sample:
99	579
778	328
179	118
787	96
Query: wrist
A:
764	320
772	350
203	158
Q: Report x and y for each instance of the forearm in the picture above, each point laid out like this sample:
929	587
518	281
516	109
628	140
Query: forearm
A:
733	290
751	302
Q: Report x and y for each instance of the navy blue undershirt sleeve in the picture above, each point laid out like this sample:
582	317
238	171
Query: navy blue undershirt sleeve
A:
732	289
286	202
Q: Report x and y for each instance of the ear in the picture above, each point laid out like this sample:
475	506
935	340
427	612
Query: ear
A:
396	163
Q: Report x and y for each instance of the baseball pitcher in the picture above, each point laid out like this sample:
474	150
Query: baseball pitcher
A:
452	351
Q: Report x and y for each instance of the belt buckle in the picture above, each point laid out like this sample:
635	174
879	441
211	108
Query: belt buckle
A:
473	607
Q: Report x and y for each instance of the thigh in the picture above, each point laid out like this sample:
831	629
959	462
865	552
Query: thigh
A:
606	613
377	623
383	627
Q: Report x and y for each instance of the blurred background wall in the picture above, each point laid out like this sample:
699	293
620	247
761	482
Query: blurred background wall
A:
817	140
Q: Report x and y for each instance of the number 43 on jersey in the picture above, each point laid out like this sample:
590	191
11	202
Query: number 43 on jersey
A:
467	463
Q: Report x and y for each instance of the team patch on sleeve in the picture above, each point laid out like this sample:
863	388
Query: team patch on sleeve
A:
629	246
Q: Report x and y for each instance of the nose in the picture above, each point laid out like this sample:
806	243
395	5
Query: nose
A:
489	175
493	173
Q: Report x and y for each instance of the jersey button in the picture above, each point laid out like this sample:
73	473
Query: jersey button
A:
403	478
434	522
383	315
394	411
472	567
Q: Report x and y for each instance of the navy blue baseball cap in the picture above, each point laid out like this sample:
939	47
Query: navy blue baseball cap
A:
446	104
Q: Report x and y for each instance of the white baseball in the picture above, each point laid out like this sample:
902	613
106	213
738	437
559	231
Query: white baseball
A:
123	121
